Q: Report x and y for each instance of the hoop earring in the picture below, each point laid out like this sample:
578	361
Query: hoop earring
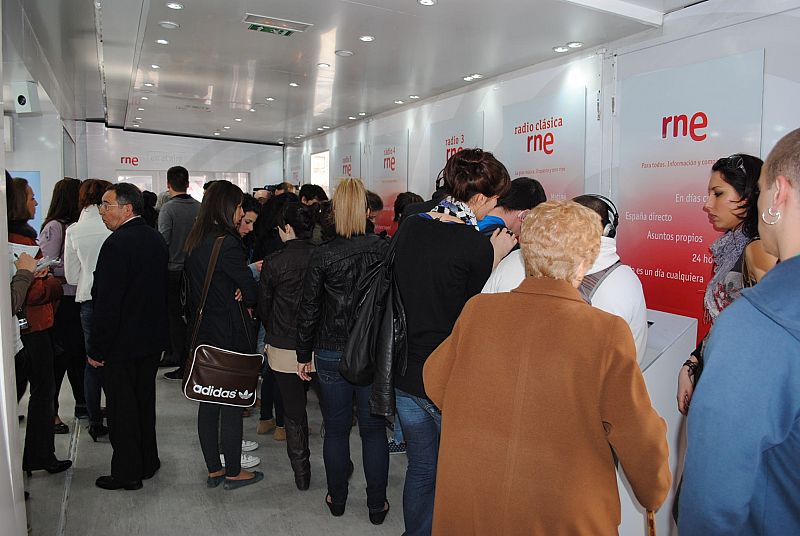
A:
775	215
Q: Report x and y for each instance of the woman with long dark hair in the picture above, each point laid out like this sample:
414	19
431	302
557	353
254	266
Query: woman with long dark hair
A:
219	216
82	247
34	364
279	295
327	308
67	333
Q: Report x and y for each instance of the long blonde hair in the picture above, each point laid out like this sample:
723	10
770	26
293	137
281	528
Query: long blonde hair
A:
350	208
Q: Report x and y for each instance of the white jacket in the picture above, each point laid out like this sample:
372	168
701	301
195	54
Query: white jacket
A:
620	293
83	242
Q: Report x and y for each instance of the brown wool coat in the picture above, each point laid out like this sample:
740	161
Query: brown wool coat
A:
534	385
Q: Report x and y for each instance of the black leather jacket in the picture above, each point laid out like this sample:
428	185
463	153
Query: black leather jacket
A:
279	291
327	306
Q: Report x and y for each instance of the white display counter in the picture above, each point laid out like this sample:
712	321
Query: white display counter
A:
670	340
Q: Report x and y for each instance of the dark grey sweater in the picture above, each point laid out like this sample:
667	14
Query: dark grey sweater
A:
175	220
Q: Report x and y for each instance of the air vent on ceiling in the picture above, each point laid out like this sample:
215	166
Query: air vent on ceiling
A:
259	23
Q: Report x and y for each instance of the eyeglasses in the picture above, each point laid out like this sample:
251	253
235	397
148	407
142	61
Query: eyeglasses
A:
105	205
737	162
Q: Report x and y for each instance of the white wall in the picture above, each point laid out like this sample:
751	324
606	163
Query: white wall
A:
105	147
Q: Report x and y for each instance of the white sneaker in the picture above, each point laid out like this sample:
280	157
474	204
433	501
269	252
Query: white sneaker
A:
248	446
247	461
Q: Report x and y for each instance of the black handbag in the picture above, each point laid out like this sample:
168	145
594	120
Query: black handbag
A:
217	375
377	341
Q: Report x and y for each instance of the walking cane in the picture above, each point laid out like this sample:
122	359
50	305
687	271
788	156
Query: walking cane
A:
651	523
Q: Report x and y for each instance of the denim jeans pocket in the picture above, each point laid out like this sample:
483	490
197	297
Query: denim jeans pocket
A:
327	370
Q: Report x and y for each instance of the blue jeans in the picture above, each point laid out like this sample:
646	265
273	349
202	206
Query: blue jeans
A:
422	425
337	412
92	377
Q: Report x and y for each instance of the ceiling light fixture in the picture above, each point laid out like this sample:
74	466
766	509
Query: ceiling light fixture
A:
140	109
216	133
344	53
362	114
477	76
148	84
162	41
320	129
574	44
270	99
154	66
398	102
174	5
138	118
426	2
323	65
468	79
351	117
252	109
560	49
325	127
298	137
226	127
169	25
294	84
145	98
280	142
413	97
239	119
367	38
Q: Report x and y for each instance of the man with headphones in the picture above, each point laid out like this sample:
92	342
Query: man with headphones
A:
608	285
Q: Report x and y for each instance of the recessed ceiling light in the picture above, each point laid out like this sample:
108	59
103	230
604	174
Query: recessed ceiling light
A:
574	44
169	25
174	5
426	2
136	125
560	49
140	109
145	98
325	127
398	102
351	117
138	118
323	65
148	84
298	137
367	38
293	84
226	127
413	96
270	99
216	133
477	76
320	129
239	119
162	41
468	79
154	66
252	109
280	142
362	114
344	53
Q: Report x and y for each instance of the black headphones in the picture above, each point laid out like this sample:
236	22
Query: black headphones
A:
610	230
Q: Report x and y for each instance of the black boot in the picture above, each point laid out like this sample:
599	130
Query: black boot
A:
297	449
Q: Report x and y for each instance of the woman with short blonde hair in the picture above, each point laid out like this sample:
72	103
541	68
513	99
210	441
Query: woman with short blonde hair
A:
324	318
557	383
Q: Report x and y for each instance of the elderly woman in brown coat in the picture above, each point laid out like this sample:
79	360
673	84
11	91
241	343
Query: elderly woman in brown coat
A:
559	389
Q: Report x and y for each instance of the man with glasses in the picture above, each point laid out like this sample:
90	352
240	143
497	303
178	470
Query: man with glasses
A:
129	332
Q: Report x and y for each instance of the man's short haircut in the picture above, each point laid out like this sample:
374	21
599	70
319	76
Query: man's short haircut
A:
557	236
286	187
312	191
374	202
524	194
178	178
784	159
128	194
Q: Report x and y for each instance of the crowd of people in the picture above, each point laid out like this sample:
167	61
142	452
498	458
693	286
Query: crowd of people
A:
513	368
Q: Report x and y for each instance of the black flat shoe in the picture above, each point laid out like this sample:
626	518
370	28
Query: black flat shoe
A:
151	474
56	466
97	430
60	428
337	510
376	518
111	483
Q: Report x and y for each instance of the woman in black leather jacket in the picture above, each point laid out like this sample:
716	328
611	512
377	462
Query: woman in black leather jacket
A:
279	293
326	314
222	325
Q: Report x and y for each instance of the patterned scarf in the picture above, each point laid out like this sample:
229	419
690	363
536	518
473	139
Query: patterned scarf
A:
459	209
723	290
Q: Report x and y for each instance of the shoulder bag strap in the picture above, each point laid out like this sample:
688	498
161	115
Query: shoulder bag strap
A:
212	263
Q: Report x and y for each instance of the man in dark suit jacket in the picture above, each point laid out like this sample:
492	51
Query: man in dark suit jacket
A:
129	331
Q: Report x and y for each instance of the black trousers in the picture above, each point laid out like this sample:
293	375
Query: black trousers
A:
217	425
177	327
130	385
293	394
69	349
34	366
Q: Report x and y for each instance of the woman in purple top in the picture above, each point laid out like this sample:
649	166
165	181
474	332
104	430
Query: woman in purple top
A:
68	347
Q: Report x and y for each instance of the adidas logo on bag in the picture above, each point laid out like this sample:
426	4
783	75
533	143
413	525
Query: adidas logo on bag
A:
217	392
244	396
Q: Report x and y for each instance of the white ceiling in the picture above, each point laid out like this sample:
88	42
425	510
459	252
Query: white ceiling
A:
214	70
